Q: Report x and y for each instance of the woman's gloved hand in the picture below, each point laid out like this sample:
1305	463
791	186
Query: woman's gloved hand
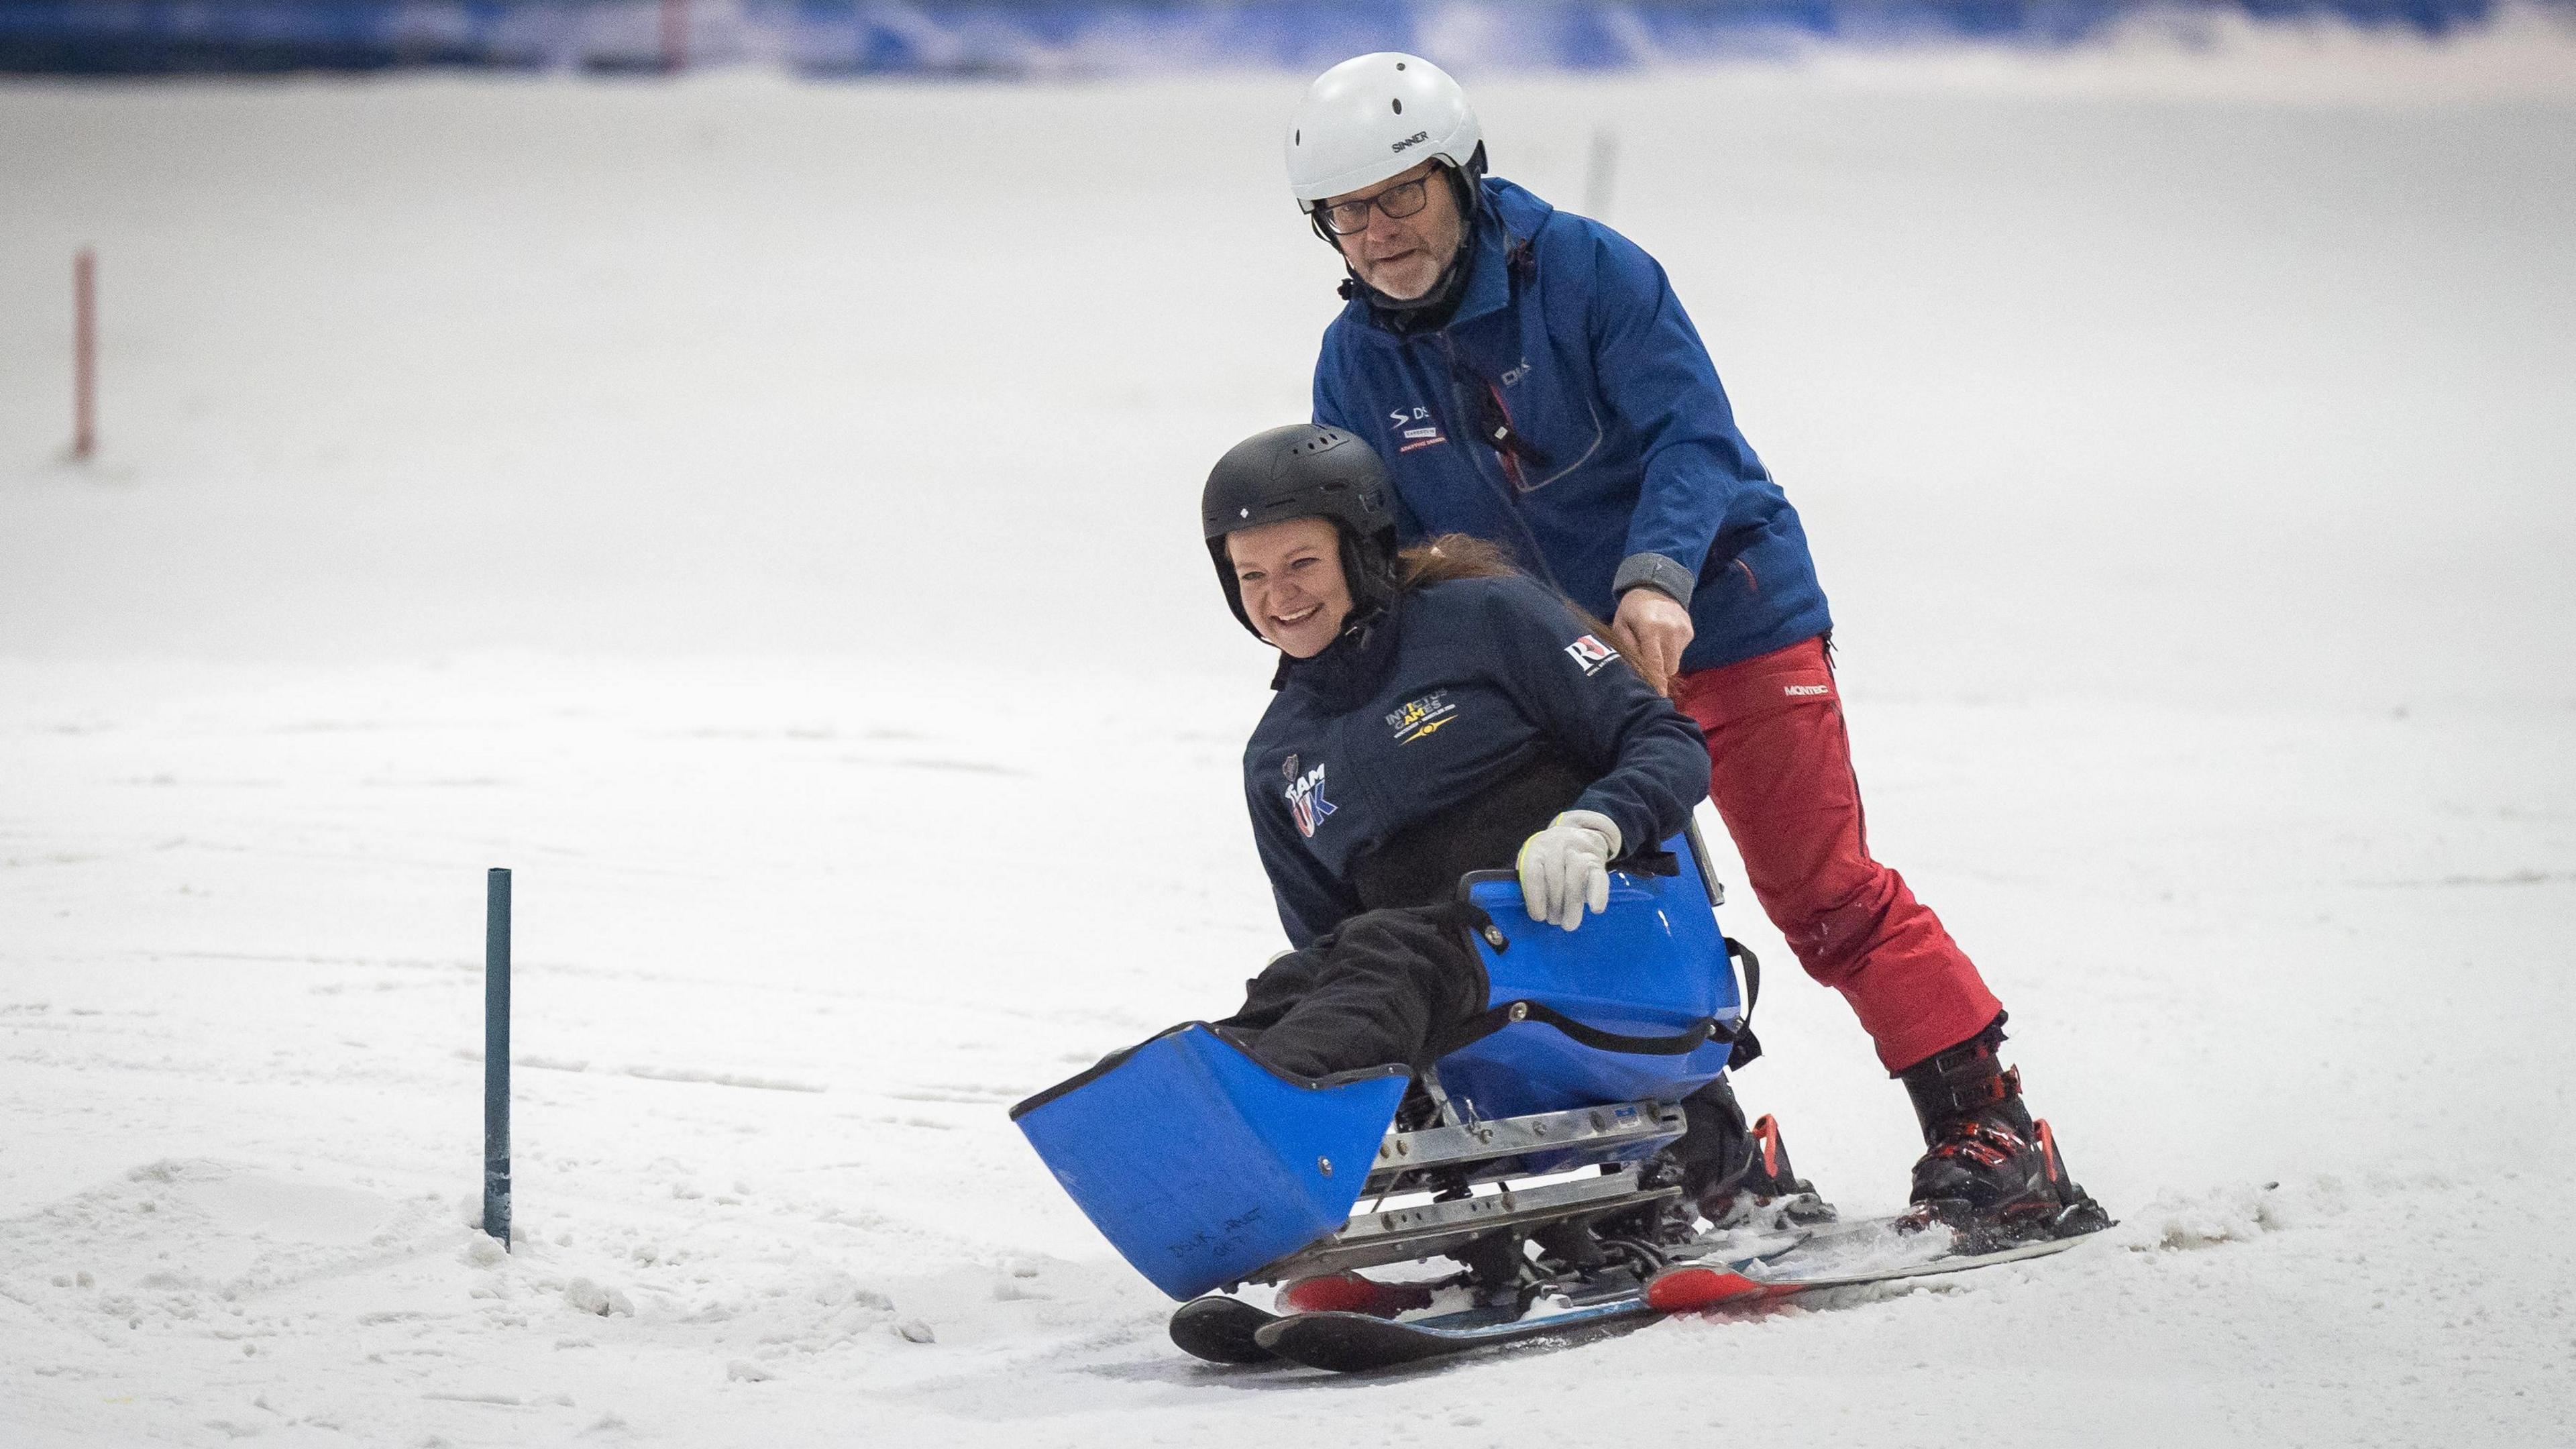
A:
1567	867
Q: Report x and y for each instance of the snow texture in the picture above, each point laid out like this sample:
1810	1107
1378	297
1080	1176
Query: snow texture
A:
760	514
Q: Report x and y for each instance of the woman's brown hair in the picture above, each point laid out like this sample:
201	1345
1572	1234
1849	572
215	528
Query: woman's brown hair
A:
1450	556
1465	556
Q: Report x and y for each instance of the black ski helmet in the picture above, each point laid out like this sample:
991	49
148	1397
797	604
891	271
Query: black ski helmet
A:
1304	471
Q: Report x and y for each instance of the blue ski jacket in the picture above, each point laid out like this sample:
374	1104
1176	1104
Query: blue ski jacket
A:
1430	719
1569	412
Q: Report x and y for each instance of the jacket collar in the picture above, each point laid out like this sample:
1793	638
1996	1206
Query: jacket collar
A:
1349	671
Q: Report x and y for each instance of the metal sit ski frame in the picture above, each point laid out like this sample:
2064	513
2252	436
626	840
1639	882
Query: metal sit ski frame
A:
1615	1218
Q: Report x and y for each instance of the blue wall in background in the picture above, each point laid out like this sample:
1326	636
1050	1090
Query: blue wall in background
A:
1055	37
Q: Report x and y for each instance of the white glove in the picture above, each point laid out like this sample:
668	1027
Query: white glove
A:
1567	867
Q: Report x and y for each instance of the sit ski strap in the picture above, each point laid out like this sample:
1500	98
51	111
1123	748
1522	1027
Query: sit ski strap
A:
1747	1045
1649	862
1493	1019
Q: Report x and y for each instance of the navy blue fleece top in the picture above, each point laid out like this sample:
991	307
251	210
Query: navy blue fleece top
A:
1434	701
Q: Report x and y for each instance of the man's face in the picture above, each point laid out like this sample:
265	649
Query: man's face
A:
1403	255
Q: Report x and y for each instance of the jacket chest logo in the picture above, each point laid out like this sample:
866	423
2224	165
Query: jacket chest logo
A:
1305	796
1418	717
1414	428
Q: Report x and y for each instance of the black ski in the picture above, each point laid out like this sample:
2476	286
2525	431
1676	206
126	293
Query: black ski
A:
1221	1329
1839	1255
1357	1342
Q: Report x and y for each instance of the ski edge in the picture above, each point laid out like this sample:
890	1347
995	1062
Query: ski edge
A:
1358	1343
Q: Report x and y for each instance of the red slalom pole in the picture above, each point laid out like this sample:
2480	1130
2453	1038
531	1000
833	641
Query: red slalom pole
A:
675	35
84	353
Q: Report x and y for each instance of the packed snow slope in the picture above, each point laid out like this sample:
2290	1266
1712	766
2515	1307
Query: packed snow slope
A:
761	515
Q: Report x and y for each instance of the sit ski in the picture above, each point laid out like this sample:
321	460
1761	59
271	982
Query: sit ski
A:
1781	1247
1539	1159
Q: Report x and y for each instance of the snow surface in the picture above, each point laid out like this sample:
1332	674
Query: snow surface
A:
760	515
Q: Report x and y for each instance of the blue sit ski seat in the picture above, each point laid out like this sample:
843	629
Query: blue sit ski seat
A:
1201	1165
1638	1004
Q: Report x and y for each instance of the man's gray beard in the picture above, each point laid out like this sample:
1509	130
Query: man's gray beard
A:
1433	306
1409	298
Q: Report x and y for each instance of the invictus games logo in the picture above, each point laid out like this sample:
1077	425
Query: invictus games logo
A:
1591	653
1306	799
1419	717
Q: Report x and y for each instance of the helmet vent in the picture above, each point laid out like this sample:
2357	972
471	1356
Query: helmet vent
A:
1399	105
1399	65
1297	138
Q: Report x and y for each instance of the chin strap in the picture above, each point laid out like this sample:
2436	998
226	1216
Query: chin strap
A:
1427	313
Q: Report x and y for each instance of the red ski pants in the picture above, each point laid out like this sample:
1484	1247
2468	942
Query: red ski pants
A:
1780	772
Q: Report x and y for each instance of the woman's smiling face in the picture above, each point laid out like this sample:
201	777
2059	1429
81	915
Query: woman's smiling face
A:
1289	576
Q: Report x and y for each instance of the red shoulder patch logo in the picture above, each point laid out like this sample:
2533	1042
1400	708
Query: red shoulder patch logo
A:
1591	653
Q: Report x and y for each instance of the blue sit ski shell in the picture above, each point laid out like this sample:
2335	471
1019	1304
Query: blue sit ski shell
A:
1199	1164
1652	965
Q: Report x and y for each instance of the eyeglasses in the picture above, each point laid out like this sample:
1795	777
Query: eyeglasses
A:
1350	218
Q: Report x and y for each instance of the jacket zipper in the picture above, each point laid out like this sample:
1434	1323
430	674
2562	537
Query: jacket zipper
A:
1510	489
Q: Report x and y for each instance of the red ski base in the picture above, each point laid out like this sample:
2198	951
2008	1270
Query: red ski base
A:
1694	1288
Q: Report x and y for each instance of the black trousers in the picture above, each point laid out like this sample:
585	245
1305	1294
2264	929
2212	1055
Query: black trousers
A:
1383	988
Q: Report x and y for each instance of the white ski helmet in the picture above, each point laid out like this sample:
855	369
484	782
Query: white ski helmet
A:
1374	116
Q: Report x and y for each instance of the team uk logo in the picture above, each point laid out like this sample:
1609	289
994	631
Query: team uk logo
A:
1306	800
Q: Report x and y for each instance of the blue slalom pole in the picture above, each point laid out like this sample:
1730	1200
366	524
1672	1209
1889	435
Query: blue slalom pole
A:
496	1056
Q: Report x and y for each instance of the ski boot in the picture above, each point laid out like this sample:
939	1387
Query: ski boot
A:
1988	1170
1771	1196
1737	1176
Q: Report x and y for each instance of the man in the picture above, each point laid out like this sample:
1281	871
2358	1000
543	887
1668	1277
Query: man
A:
1530	378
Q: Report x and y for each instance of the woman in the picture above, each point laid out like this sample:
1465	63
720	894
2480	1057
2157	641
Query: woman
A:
1436	713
